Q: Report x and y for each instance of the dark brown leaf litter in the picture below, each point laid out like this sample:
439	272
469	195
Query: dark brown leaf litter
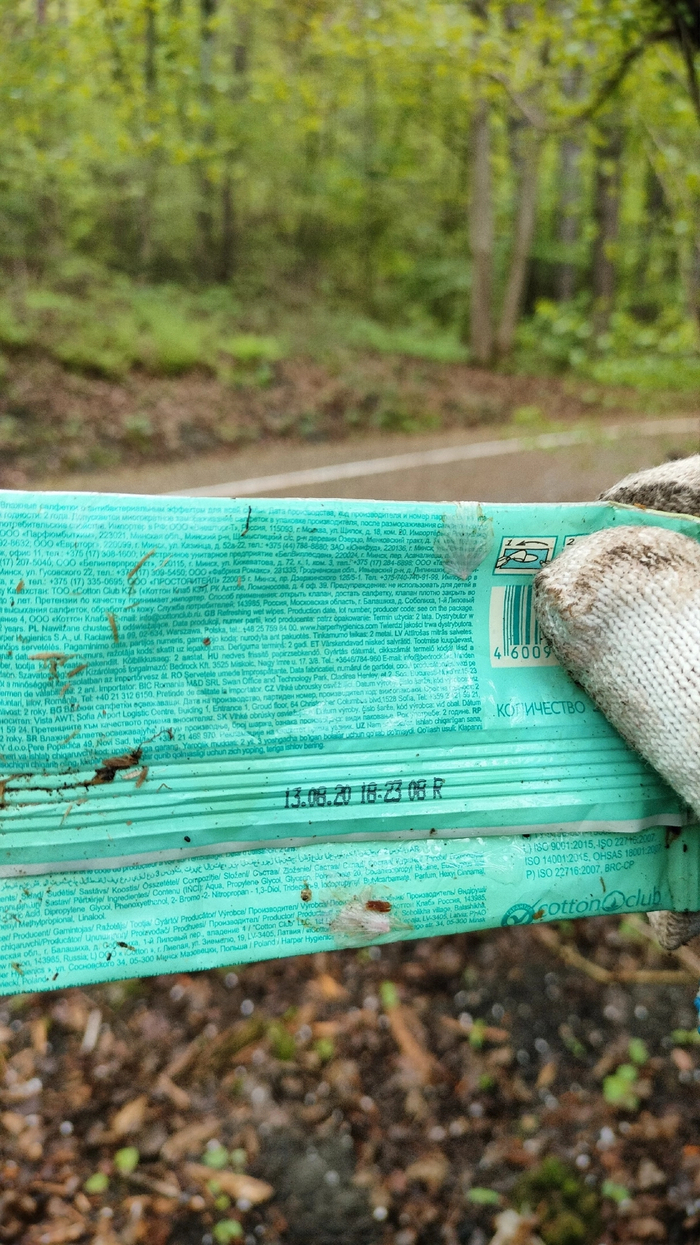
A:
443	1092
55	422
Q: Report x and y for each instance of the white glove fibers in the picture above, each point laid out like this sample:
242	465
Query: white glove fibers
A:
622	610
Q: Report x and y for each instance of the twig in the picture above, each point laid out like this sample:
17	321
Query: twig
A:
420	1060
607	976
607	88
486	1033
684	954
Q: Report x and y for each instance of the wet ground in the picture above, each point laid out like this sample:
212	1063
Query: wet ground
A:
538	1083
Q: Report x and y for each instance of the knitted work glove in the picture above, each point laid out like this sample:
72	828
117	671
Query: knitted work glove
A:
622	610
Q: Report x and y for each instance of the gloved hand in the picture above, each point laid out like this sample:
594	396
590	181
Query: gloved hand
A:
622	610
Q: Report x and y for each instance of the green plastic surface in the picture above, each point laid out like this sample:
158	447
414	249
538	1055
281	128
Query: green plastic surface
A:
231	726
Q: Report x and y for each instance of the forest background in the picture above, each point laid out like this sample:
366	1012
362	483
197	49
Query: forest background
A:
222	187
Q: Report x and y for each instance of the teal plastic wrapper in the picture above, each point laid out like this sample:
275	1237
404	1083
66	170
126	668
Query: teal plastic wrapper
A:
235	730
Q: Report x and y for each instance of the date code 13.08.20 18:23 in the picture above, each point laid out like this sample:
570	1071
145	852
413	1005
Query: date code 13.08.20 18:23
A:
390	792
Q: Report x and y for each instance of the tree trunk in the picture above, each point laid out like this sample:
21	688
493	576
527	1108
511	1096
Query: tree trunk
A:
151	41
530	146
228	247
370	213
569	198
690	274
227	250
481	238
606	213
151	159
205	211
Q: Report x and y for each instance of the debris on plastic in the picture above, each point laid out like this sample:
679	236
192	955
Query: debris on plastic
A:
465	539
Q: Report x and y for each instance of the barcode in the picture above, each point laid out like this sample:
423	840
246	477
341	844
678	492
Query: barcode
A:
514	632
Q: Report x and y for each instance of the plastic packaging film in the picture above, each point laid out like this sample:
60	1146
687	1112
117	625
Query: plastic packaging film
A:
236	730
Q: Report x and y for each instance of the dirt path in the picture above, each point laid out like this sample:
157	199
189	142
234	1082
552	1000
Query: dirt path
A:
575	473
164	433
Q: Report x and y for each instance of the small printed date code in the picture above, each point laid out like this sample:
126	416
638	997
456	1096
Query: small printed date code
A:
390	792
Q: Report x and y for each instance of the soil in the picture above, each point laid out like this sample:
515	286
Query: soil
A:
425	1093
53	422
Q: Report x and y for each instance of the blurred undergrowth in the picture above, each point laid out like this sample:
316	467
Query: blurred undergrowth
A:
660	355
98	324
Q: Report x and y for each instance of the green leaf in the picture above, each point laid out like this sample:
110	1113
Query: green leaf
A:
97	1183
227	1230
483	1197
618	1088
637	1051
127	1160
325	1049
282	1042
476	1034
389	995
686	1037
617	1192
217	1157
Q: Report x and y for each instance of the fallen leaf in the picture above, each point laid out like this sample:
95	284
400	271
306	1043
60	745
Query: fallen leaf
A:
38	1033
22	1090
57	1232
327	988
647	1228
420	1062
130	1117
515	1229
235	1184
58	1209
190	1139
649	1176
13	1122
654	1128
547	1075
430	1170
30	1143
167	1087
681	1058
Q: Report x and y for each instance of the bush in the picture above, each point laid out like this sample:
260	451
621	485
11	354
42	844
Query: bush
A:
561	337
568	1211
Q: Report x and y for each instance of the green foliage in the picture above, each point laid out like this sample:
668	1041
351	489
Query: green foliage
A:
227	1230
161	197
637	1051
248	359
618	1089
13	335
126	1160
98	1182
282	1042
616	1192
686	1037
424	342
325	1049
483	1197
476	1034
389	996
647	357
568	1210
216	1157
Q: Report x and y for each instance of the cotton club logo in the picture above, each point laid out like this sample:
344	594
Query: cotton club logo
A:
519	914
